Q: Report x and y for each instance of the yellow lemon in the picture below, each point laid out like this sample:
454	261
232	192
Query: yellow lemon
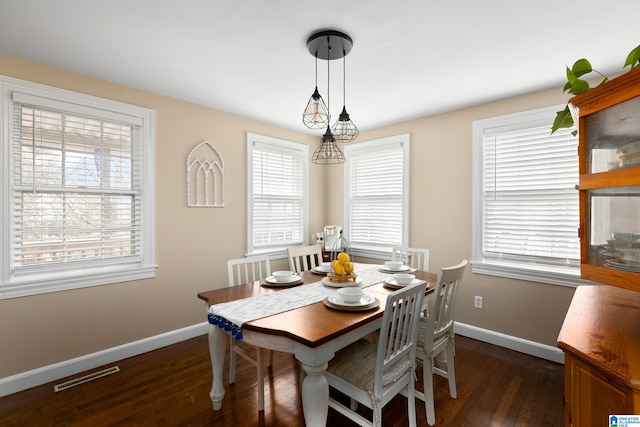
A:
348	267
334	263
343	257
339	268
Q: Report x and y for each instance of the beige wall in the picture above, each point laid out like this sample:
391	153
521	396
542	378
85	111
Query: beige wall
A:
441	219
192	245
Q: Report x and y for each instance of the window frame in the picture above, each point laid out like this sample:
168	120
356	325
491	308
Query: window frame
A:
374	250
297	149
536	272
45	280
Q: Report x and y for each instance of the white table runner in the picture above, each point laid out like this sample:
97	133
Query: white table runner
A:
232	315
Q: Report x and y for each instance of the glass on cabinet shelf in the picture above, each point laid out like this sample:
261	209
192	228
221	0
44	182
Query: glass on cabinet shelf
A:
613	137
613	228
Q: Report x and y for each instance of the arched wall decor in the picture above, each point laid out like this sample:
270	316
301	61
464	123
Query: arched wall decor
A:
205	177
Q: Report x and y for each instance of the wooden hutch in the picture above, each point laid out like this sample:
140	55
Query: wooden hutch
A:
601	333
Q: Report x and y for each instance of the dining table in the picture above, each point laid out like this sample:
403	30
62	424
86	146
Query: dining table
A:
313	332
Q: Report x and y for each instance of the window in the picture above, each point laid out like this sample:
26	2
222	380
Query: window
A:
525	205
78	181
376	195
277	194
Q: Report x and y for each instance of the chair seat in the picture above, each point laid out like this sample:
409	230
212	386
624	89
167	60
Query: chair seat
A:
357	365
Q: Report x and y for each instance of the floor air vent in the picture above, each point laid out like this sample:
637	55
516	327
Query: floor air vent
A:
85	379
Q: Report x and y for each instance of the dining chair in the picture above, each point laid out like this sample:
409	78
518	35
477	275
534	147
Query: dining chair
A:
244	270
413	257
373	374
436	335
304	258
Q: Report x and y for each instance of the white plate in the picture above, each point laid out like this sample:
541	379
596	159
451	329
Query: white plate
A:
617	264
394	283
344	284
320	270
365	300
272	280
401	269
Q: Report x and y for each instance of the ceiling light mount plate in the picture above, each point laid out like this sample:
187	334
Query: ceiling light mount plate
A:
329	44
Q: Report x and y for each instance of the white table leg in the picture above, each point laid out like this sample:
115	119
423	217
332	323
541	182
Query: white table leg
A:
315	396
218	340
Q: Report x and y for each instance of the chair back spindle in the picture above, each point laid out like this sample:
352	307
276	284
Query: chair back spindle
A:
304	258
250	269
398	333
413	257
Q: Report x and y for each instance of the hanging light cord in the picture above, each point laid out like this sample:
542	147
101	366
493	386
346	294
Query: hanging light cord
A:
328	91
316	69
344	78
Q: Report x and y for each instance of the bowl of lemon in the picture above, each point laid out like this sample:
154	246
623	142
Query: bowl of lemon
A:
342	268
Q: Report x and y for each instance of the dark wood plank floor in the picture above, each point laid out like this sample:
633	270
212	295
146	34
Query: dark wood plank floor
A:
170	387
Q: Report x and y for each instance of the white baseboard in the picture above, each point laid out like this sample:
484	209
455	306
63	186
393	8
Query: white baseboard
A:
45	374
36	377
533	348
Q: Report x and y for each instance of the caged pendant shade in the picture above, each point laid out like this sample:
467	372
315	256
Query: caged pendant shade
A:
316	114
344	130
328	152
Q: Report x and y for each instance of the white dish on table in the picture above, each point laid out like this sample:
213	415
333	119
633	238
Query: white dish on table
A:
284	276
323	268
390	282
274	282
403	268
367	302
404	278
350	294
393	264
365	299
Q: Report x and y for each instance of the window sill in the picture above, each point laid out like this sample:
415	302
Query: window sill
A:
561	276
45	283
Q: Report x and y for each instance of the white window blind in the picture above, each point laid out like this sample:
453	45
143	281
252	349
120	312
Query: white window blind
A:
278	200
376	192
526	207
77	189
78	182
530	203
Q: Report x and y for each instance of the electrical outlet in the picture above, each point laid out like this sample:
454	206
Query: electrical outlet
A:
477	302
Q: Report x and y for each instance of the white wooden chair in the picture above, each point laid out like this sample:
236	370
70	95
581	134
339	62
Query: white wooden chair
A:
373	374
436	335
413	257
244	270
304	258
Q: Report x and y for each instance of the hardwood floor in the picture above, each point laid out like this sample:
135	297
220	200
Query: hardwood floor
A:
170	387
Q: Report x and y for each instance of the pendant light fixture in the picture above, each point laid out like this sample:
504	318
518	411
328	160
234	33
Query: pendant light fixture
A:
316	115
329	45
328	153
344	130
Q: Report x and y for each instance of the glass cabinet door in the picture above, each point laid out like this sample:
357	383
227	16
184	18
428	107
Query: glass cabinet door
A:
613	137
613	228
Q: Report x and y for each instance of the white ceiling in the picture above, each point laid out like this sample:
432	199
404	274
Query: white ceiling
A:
410	58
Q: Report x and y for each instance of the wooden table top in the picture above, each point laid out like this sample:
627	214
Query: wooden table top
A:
311	325
602	327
